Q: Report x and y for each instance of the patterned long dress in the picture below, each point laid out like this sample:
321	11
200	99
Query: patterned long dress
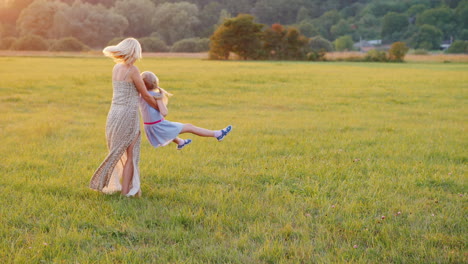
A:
122	128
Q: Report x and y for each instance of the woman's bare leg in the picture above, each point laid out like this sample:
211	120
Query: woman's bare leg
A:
127	174
202	132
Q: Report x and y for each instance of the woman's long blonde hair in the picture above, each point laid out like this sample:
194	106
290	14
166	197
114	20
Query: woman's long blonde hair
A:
127	51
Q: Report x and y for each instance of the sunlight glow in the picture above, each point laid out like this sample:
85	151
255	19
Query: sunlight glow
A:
4	3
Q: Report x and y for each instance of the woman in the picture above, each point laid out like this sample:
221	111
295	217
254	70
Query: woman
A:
119	171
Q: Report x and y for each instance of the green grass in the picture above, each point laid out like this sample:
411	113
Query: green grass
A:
319	153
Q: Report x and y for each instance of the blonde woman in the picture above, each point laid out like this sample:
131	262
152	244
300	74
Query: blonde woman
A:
119	171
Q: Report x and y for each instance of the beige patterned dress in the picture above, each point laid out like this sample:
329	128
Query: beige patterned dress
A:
122	128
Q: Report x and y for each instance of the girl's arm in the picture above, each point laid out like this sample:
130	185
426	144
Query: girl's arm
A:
162	107
141	88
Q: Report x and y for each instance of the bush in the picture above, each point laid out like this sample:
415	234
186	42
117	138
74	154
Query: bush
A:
68	44
6	43
459	46
317	55
318	43
344	43
149	44
376	56
397	51
191	45
30	42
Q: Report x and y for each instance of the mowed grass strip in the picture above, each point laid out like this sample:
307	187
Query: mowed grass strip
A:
327	163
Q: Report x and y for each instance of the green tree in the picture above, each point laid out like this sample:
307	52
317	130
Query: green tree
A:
223	15
265	11
352	10
414	10
282	43
344	43
94	25
368	27
175	21
280	11
325	23
240	35
139	14
38	18
273	41
443	18
458	46
341	28
393	26
428	37
463	34
318	44
209	17
302	14
296	44
462	15
308	29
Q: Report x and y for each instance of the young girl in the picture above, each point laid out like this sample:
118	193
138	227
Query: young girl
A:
161	132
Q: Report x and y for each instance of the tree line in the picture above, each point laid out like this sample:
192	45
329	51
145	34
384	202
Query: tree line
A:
247	39
163	24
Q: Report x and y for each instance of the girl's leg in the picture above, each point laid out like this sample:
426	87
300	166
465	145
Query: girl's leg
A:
178	141
127	174
202	132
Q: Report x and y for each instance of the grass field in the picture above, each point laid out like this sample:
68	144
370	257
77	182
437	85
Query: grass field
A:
327	163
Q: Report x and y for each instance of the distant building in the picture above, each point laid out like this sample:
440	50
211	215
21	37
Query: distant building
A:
366	45
445	44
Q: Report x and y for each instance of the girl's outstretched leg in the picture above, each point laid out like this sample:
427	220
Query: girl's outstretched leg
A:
203	132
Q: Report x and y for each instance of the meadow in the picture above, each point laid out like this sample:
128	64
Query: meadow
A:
327	163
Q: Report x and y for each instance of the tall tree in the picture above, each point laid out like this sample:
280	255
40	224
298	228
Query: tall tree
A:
428	37
176	21
209	17
93	25
38	18
341	28
443	18
326	21
393	26
240	35
139	14
462	16
368	27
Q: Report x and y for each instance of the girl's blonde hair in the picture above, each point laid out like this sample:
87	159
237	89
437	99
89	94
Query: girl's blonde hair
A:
127	51
152	82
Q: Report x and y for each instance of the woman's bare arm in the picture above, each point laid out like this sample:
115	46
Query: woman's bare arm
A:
141	88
